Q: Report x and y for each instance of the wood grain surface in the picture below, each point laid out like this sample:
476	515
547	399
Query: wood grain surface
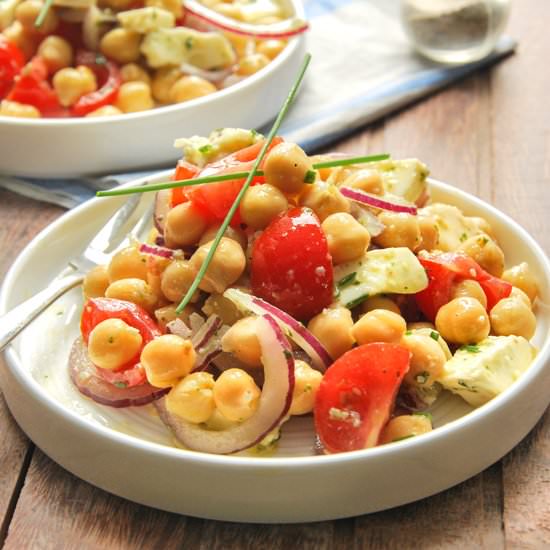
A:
490	135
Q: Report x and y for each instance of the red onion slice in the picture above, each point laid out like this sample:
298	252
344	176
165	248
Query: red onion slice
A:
376	202
272	409
84	376
284	29
155	250
367	219
163	204
293	328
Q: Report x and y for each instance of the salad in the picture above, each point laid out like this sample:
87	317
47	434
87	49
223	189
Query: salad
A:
338	292
86	58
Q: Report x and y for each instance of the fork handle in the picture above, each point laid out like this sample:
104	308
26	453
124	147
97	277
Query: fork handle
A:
13	322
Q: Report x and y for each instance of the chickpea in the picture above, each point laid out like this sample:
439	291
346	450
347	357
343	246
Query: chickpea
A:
173	6
190	87
333	329
56	52
134	97
96	282
166	359
286	167
163	81
271	48
20	110
227	265
485	252
27	12
252	64
400	229
481	224
117	5
306	384
113	343
463	321
121	45
242	341
106	110
324	199
419	325
25	40
471	289
427	359
128	263
230	233
177	279
429	233
366	180
193	398
380	302
184	225
518	294
132	72
347	238
261	204
405	426
166	314
70	84
513	316
133	290
236	395
522	277
428	329
379	325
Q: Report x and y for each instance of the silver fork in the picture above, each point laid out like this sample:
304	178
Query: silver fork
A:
110	238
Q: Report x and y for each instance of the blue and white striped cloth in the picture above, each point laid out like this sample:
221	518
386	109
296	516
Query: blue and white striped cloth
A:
363	67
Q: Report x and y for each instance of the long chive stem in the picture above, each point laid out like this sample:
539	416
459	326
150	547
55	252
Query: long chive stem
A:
284	109
43	12
235	175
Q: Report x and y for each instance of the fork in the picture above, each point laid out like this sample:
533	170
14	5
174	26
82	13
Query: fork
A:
110	238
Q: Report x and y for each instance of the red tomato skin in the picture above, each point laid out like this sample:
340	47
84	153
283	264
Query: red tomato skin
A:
446	269
291	266
97	310
357	395
11	63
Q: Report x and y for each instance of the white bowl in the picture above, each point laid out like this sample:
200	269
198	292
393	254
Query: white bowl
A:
130	453
46	148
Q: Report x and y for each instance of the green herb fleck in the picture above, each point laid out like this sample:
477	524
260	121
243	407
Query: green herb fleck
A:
463	237
121	385
434	335
206	149
402	438
408	332
189	43
483	241
471	348
310	176
347	280
287	354
357	301
423	413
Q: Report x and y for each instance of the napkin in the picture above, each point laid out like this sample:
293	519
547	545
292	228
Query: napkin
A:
363	67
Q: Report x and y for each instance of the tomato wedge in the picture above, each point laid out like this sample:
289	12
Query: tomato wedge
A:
291	267
446	269
11	63
97	310
215	199
357	395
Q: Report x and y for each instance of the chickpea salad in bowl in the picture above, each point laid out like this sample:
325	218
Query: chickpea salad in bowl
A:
82	58
339	293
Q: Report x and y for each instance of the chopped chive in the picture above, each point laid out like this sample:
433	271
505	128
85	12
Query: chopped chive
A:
225	177
357	301
434	335
286	105
471	348
348	279
353	160
310	176
423	413
43	12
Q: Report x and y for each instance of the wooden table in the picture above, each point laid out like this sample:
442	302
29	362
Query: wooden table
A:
489	135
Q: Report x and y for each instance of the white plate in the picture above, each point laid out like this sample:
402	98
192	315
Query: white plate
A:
130	453
101	145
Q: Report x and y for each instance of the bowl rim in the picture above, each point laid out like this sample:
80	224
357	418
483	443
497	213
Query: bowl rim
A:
177	109
260	464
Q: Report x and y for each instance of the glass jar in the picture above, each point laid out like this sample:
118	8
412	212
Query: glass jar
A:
454	31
